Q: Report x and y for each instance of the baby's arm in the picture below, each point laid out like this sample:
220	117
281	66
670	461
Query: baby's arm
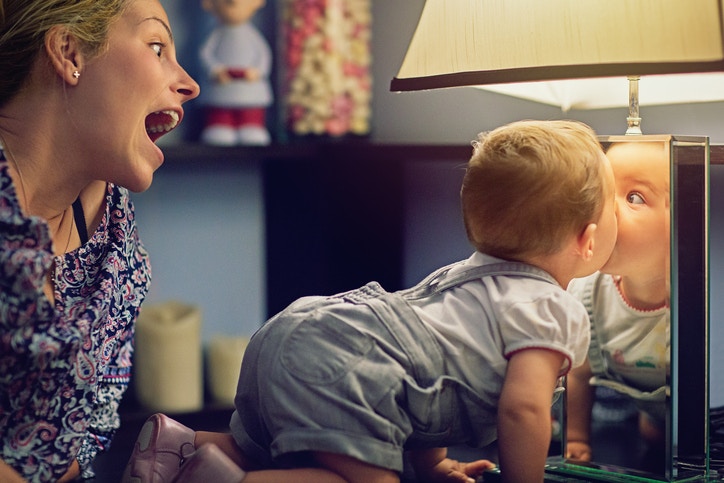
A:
524	414
578	419
433	465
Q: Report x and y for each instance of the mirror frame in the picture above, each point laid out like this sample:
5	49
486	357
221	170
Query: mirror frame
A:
687	438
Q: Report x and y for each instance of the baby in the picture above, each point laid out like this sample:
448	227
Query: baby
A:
337	389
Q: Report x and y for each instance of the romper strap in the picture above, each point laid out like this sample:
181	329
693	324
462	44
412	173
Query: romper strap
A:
494	269
442	280
595	354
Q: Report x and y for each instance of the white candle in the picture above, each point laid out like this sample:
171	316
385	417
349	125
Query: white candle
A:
168	357
223	364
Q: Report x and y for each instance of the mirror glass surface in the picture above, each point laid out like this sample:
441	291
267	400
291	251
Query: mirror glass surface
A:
648	378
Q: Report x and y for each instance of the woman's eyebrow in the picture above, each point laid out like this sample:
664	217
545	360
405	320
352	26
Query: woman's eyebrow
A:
162	22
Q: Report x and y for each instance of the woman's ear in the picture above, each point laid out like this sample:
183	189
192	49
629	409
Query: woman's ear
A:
585	243
64	52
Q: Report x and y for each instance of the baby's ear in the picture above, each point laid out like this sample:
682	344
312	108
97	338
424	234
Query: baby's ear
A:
585	242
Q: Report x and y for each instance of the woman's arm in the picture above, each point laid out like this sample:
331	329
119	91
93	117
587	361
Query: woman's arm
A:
72	473
104	420
524	414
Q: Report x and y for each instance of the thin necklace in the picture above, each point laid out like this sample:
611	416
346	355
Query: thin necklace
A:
4	145
70	230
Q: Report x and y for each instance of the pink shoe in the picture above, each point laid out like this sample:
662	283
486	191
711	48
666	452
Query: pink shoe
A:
210	464
161	449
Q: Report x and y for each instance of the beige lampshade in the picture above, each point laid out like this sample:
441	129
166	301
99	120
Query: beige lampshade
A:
608	92
482	42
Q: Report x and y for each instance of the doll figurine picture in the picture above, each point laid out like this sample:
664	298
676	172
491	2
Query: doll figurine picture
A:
237	60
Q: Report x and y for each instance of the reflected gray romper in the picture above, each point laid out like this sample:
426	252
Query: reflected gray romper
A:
359	374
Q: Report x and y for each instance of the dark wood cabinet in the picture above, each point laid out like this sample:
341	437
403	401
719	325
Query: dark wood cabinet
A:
334	211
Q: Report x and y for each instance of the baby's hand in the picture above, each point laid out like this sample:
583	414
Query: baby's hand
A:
578	450
449	471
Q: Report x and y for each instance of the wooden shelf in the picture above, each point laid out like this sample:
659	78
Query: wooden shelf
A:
353	150
340	150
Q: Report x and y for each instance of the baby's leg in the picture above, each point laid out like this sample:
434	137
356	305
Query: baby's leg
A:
354	470
334	468
226	443
299	475
650	431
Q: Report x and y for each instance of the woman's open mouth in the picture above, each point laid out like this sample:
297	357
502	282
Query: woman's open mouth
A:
161	122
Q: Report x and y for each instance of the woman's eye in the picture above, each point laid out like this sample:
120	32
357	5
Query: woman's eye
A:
158	48
635	198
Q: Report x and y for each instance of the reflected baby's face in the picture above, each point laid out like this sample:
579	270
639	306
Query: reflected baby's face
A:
641	171
606	233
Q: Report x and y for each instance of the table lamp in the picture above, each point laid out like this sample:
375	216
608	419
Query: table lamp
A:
581	54
565	52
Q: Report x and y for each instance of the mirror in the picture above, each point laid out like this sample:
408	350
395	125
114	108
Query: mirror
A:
677	398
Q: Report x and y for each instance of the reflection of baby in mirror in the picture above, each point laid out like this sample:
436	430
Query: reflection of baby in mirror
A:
628	301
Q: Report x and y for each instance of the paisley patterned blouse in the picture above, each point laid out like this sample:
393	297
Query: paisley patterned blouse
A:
65	364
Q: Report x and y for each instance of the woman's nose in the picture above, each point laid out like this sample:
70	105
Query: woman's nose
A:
188	87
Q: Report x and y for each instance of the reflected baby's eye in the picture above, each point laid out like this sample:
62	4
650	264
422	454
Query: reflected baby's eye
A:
158	48
635	198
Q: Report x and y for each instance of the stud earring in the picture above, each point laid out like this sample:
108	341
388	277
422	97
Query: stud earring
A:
76	74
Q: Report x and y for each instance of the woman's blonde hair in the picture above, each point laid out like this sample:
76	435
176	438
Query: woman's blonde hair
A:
24	24
531	184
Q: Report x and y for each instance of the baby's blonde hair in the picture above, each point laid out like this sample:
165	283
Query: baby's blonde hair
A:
530	185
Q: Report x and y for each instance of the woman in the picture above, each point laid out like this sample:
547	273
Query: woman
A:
86	88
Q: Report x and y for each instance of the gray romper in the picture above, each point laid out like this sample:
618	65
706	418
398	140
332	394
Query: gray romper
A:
360	374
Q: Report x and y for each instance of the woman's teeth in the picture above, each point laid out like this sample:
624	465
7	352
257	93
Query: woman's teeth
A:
162	121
